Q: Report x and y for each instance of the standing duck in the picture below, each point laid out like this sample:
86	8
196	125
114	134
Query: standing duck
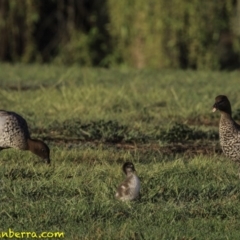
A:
229	130
14	134
129	189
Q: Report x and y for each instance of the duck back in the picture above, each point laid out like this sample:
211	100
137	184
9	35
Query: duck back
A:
13	131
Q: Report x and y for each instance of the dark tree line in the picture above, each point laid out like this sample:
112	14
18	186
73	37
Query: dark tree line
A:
195	34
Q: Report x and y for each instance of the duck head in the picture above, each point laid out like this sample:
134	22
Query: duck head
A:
39	148
222	104
128	167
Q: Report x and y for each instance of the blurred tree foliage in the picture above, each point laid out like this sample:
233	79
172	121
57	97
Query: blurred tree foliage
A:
199	34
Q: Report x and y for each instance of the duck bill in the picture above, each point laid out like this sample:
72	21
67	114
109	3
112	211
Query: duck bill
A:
214	109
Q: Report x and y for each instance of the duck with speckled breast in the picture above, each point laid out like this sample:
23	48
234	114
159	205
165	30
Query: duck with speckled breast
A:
14	133
229	130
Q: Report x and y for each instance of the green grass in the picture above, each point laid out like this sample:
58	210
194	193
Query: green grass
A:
93	121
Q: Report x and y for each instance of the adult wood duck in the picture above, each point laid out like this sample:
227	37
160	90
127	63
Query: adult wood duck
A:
229	130
14	133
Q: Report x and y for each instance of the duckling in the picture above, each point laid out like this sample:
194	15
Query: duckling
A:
129	189
14	133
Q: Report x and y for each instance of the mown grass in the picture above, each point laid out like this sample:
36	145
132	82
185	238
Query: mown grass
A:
93	121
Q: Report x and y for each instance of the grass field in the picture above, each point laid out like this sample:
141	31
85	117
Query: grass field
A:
96	119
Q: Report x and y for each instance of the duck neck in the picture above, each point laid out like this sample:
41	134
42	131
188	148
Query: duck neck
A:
226	123
31	143
129	174
226	116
